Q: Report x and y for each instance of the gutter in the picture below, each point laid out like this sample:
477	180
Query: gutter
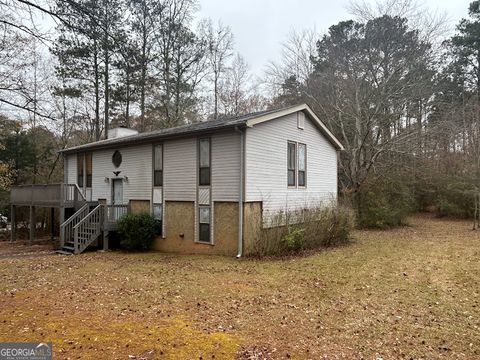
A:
241	193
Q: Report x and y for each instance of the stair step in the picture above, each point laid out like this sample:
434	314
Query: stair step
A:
68	248
62	252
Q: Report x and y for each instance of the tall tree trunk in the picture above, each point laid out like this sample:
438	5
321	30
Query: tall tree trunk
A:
97	91
127	100
106	60
143	75
215	95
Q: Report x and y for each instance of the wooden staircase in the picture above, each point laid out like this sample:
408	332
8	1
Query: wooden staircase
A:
86	225
88	229
81	229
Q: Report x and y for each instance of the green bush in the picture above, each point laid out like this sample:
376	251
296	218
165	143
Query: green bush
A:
137	231
293	231
294	240
384	203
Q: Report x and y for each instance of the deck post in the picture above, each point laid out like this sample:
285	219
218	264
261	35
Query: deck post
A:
75	199
52	223
33	223
105	240
62	230
13	224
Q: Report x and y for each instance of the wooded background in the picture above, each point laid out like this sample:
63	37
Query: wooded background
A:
402	97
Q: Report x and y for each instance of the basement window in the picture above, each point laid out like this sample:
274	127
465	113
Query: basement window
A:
158	216
204	224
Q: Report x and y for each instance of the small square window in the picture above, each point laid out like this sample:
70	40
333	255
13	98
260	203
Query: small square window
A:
301	120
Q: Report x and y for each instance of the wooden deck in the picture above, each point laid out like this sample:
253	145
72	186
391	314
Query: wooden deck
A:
89	221
47	195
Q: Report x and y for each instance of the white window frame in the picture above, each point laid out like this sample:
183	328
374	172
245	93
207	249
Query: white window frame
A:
200	207
155	147
297	170
301	120
305	165
295	164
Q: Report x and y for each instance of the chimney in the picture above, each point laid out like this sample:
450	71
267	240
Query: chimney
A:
121	132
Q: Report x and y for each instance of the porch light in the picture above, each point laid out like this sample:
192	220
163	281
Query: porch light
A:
107	180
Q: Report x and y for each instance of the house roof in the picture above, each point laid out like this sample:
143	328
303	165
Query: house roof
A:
248	120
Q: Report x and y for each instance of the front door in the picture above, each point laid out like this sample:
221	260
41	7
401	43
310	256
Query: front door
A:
117	192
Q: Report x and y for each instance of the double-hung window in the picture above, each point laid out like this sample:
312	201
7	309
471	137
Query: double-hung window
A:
204	179
158	165
158	216
80	172
292	163
302	164
296	164
204	223
84	169
204	162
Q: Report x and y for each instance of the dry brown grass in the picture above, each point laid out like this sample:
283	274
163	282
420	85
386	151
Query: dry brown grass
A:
408	293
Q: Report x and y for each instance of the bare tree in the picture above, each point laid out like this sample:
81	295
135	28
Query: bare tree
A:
219	46
295	60
433	25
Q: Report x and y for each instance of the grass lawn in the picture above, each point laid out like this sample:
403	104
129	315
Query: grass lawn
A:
408	293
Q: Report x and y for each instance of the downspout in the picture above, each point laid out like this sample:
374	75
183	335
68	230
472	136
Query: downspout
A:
240	194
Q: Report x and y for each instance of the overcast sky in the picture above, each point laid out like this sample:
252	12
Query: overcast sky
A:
260	26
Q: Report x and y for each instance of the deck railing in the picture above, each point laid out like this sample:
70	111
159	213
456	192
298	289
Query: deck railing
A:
49	195
113	213
72	193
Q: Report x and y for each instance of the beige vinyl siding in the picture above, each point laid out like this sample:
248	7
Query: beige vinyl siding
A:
136	165
266	165
72	169
180	170
225	166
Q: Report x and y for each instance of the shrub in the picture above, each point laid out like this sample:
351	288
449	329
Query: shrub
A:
455	199
294	240
293	231
384	203
136	231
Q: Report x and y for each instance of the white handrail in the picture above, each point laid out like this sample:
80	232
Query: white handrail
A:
80	192
95	218
72	218
66	230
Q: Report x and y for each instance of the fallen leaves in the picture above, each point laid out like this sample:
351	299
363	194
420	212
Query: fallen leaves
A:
408	292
